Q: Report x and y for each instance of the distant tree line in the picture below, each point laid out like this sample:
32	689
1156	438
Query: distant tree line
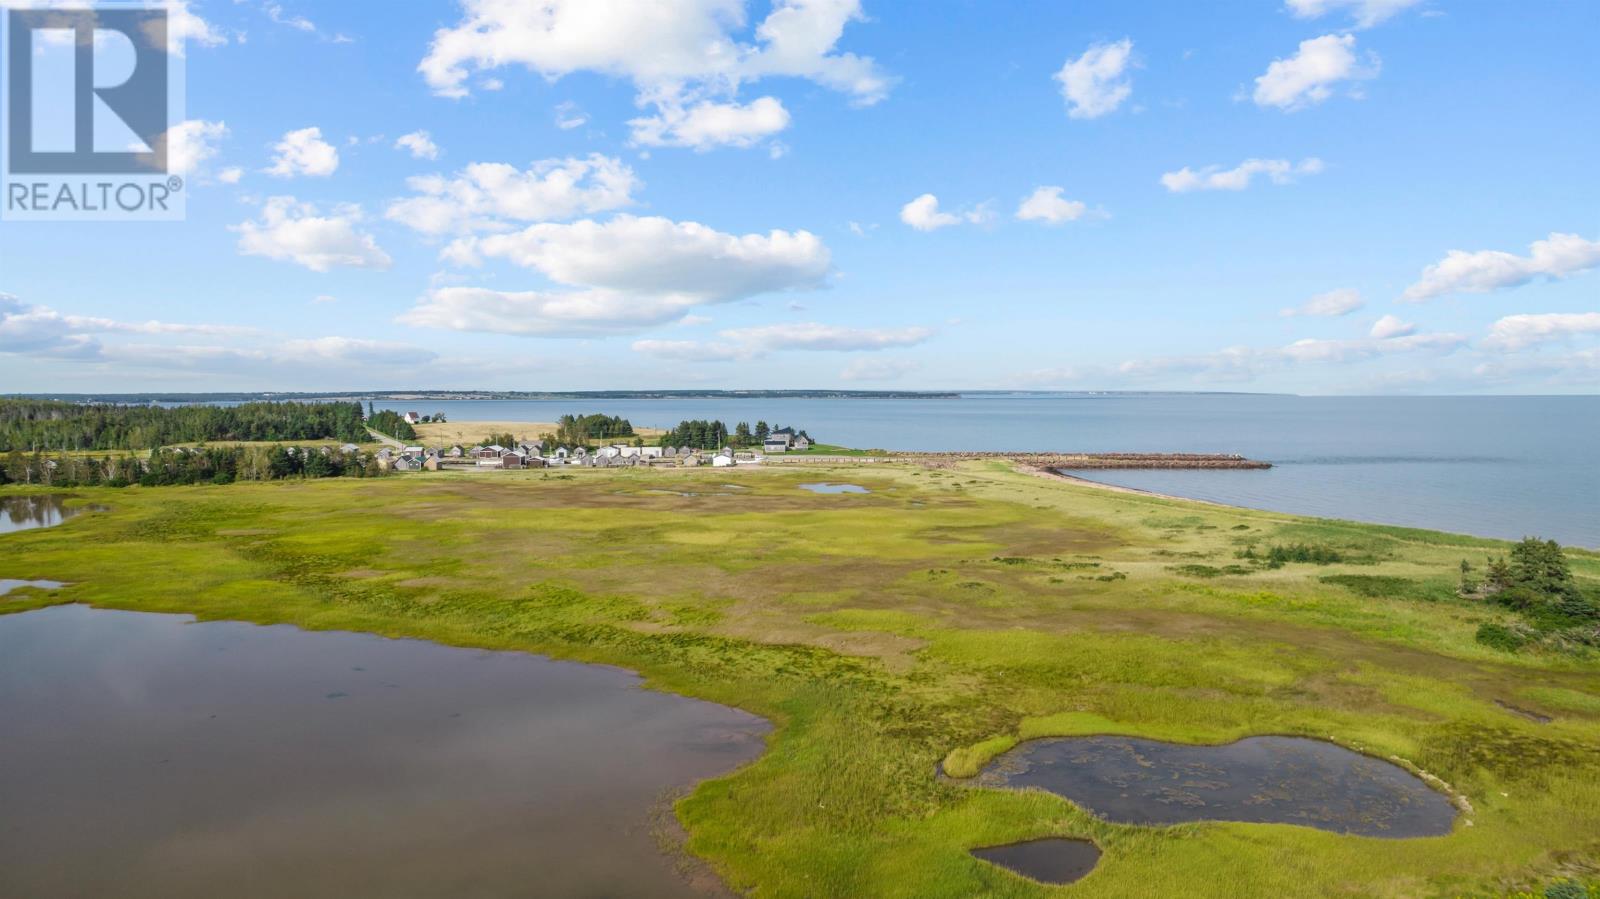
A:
206	465
45	425
391	423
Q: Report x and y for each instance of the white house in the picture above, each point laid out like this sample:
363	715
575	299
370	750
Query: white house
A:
412	418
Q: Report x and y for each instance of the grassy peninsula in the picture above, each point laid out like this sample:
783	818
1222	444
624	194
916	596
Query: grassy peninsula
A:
937	619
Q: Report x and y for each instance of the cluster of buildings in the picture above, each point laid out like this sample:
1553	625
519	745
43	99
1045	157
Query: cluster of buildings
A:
536	454
784	440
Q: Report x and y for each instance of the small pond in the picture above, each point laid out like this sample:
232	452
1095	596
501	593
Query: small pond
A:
148	755
835	488
9	584
1283	780
1052	860
43	510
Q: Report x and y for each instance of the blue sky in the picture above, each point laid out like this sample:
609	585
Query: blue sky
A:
710	193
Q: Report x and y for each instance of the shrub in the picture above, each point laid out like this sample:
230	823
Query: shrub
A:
1497	636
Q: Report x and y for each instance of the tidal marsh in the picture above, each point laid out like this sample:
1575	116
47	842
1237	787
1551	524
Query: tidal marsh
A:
938	620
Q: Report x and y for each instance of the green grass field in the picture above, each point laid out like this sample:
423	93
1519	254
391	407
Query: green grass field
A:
939	618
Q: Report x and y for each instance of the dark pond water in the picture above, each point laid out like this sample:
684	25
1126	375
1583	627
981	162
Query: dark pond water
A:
21	513
1051	860
9	584
1283	780
834	488
146	755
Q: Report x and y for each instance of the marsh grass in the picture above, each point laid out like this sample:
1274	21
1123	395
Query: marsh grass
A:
917	625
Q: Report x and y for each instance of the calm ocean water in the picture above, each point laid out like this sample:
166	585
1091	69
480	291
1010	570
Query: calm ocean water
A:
1491	466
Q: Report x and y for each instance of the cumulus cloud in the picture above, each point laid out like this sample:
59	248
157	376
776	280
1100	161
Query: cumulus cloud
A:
924	214
708	124
1557	256
1047	205
751	343
1330	304
625	274
1390	326
1309	76
685	59
304	152
192	144
419	144
1364	13
291	231
1096	83
1516	332
1278	171
487	196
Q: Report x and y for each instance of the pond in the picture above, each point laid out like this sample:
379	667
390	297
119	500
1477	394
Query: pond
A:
43	510
1284	780
835	488
147	755
9	584
1051	860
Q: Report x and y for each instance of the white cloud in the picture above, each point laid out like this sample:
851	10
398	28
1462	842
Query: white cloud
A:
192	144
923	214
739	344
1516	332
42	331
1214	177
276	13
1557	256
419	144
569	116
657	255
304	152
230	175
1332	303
488	196
1308	76
1047	205
1365	13
626	274
324	298
1095	84
291	231
1390	326
678	55
708	124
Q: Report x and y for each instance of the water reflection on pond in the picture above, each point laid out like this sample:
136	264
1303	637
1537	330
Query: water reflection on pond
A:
146	755
9	584
1052	860
43	510
834	488
1288	780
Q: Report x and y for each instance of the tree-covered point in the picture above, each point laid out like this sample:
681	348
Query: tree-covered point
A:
583	430
392	424
48	426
